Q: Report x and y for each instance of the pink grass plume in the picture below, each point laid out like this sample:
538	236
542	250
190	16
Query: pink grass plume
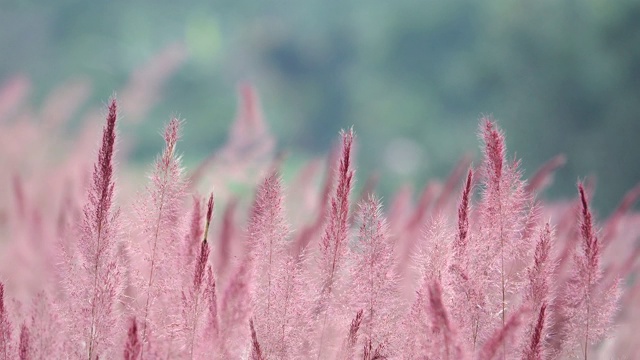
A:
93	281
590	308
256	351
374	284
333	243
132	346
160	222
5	328
24	345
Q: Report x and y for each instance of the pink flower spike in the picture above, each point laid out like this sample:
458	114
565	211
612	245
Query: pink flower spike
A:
132	347
460	244
374	283
5	327
159	270
441	324
209	216
96	284
348	347
590	242
24	347
535	351
333	244
256	352
203	256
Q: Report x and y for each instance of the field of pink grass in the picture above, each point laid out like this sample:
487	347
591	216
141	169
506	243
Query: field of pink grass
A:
93	266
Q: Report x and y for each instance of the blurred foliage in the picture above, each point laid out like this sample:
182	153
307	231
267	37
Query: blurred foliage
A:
412	77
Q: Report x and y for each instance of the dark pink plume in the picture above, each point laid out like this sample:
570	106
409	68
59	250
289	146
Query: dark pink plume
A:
103	170
590	307
256	352
494	153
209	215
132	346
333	243
590	241
441	324
460	243
24	346
541	273
268	232
201	263
349	345
535	349
5	327
374	284
97	285
503	215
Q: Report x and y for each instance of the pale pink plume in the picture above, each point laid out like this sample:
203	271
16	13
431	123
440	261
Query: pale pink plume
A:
502	217
374	284
268	233
132	347
160	222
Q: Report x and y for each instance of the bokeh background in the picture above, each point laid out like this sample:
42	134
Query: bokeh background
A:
412	77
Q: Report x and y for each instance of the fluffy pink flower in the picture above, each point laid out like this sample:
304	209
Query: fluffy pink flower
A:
158	263
93	279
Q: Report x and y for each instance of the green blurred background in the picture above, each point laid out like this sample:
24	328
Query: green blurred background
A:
412	77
